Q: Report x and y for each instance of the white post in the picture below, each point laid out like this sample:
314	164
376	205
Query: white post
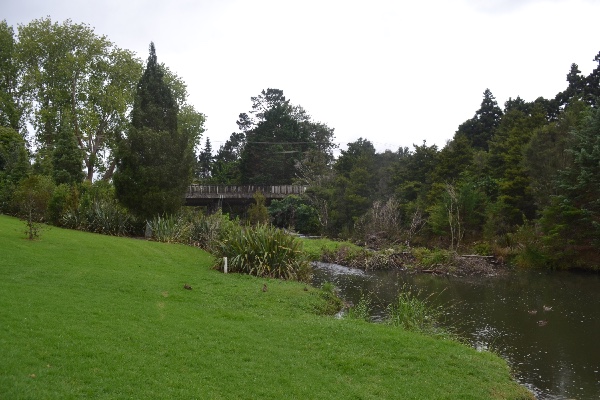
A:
224	265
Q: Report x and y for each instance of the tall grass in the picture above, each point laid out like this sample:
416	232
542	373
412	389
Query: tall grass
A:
415	311
265	251
362	310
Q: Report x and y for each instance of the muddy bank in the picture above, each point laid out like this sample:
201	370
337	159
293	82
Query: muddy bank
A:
437	262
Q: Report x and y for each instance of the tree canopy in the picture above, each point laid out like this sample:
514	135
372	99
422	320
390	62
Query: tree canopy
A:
273	138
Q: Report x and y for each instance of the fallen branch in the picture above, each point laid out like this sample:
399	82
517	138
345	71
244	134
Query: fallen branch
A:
475	255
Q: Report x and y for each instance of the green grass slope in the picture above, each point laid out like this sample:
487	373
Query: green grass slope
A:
90	316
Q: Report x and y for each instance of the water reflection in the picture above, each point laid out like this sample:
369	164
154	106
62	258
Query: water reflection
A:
547	325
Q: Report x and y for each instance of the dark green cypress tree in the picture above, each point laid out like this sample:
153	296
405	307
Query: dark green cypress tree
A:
67	158
571	222
481	128
155	160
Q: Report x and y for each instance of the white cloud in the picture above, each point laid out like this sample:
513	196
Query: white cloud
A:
393	72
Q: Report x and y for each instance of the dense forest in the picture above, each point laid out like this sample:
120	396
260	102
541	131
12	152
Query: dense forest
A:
81	119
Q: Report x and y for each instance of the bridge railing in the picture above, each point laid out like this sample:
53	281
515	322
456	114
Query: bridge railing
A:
243	191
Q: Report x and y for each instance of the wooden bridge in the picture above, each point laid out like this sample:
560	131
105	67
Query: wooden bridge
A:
218	195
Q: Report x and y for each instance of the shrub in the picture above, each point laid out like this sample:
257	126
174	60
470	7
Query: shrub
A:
380	225
257	212
64	199
430	258
294	213
209	231
31	199
94	209
265	251
169	228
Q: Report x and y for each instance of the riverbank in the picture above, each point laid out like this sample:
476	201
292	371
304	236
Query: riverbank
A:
413	260
85	315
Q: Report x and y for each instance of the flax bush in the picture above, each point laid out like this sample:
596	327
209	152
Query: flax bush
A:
209	231
92	208
169	229
265	251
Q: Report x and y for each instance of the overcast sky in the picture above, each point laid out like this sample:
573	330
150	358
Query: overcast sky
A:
394	72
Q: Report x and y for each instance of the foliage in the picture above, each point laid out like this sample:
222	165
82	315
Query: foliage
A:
547	153
11	112
532	252
332	303
31	199
275	136
168	228
106	217
14	165
209	231
225	169
353	184
67	159
572	221
362	310
414	311
458	213
191	227
380	226
294	213
205	161
370	260
92	208
77	81
265	251
413	174
257	212
314	248
155	160
481	128
65	198
432	258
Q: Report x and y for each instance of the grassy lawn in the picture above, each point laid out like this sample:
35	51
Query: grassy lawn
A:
314	247
90	316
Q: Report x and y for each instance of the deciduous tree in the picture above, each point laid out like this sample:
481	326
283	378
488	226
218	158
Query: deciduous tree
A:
11	111
72	76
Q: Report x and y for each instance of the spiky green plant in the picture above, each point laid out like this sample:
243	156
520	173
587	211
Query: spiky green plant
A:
208	231
170	228
263	250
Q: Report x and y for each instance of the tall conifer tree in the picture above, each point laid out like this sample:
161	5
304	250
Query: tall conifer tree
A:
155	160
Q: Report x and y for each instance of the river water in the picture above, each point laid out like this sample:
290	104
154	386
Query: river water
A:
545	324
